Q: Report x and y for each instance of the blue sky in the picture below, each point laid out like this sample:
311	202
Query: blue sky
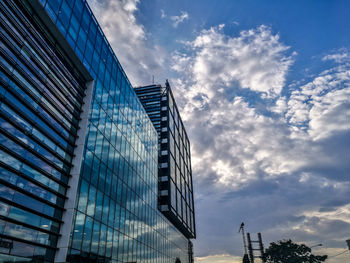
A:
264	88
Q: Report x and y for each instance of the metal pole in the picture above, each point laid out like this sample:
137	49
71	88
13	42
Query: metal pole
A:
250	249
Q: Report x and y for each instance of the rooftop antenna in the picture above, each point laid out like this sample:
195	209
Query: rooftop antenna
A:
152	79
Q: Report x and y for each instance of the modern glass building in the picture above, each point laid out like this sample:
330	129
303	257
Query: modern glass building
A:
78	152
175	176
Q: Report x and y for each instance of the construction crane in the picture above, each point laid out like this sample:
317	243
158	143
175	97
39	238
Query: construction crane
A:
249	249
245	257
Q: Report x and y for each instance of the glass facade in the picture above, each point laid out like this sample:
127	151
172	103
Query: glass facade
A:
40	103
116	216
175	175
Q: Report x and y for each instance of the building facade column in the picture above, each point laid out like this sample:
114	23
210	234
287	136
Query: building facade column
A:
68	214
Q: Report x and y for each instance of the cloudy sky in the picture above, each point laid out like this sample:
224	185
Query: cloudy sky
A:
264	88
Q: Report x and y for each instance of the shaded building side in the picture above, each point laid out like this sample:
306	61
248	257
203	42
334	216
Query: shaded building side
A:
175	174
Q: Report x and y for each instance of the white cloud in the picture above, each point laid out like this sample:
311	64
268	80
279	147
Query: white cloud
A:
340	213
280	106
321	107
233	137
179	19
273	159
340	56
337	57
128	38
256	59
241	144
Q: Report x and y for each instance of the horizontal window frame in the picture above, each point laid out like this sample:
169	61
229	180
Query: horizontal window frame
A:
33	137
23	160
32	151
23	191
17	222
38	39
11	203
41	104
27	242
34	124
38	141
30	179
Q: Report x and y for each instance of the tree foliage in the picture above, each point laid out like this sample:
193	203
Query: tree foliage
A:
285	251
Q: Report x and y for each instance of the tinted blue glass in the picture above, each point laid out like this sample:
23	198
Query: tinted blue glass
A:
65	13
102	241
81	39
78	230
87	234
55	5
104	52
51	11
88	51
78	8
83	196
98	43
91	201
95	60
86	19
40	112
99	205
101	71
74	27
95	237
92	31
